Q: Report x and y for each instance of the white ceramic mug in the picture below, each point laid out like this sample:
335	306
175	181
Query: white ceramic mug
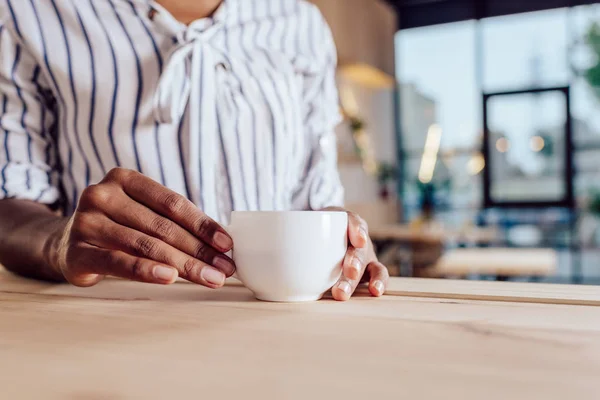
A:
289	256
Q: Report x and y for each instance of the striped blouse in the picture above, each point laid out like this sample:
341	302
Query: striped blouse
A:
235	112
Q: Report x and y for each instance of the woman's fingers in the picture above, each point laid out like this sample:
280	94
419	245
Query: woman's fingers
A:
360	263
171	205
344	288
358	232
378	278
353	268
375	272
355	263
140	218
132	227
90	262
98	230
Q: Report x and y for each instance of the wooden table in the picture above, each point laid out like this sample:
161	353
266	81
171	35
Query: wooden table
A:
428	339
422	245
500	262
432	234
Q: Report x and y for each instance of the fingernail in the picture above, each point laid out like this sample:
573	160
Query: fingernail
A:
212	276
165	274
345	287
222	240
363	234
378	285
224	265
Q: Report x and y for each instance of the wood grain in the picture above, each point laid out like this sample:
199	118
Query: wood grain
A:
124	340
521	292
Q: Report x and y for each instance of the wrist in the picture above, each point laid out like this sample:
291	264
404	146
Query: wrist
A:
54	247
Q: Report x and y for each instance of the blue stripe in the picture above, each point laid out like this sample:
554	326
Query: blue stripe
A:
181	155
113	107
14	19
34	80
56	172
226	158
93	94
87	98
151	36
182	159
42	193
140	84
4	107
255	136
159	60
47	147
7	152
23	116
36	75
239	149
273	123
225	162
320	184
253	124
43	132
74	94
237	132
62	101
201	134
273	65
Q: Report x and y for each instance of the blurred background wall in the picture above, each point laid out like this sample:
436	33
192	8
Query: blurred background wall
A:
364	31
418	79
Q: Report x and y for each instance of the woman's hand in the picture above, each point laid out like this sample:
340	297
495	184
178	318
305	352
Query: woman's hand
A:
360	263
132	227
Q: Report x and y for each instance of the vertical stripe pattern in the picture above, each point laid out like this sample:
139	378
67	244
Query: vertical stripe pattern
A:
235	111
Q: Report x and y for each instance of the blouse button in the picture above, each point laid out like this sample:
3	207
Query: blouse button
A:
152	13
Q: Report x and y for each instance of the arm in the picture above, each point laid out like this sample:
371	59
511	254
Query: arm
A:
126	225
29	238
27	228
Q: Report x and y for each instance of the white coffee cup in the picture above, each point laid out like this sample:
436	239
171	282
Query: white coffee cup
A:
289	256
